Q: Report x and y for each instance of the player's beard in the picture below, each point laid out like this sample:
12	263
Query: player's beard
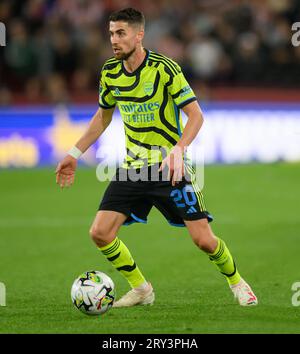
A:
124	56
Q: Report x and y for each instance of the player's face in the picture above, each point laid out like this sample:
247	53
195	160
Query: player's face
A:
124	38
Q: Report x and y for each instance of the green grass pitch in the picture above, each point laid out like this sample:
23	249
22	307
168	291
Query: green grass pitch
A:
45	245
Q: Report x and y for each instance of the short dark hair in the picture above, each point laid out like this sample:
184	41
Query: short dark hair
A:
129	15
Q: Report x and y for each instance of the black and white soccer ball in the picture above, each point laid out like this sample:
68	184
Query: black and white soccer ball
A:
93	293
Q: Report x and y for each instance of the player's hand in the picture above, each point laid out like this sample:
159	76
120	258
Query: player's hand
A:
175	164
65	171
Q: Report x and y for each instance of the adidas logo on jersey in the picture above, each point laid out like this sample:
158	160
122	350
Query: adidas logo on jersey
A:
117	92
191	210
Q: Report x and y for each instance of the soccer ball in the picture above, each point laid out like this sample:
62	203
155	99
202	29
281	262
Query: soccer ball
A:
93	293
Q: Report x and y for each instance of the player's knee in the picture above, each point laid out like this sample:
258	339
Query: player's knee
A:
204	239
205	244
101	235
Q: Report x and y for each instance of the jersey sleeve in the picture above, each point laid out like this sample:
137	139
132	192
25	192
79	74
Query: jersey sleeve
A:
106	99
178	87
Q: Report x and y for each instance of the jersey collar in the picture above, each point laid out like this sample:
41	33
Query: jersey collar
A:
135	72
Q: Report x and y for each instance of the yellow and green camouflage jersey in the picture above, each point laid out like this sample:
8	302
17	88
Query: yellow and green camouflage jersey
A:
149	100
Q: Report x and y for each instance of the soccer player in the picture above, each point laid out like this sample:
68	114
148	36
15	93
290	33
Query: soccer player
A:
149	90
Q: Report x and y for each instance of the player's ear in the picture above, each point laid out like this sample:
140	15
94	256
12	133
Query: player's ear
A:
140	34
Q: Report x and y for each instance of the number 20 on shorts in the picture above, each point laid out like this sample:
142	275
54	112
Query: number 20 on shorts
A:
183	197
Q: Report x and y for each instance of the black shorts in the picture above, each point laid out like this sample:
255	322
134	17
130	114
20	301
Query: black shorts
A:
135	200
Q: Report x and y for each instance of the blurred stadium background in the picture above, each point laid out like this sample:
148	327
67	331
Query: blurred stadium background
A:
238	56
240	60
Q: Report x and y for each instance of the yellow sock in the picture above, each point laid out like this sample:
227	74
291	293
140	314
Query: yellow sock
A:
118	254
222	258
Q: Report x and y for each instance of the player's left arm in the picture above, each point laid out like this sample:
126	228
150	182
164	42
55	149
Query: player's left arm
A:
193	125
184	98
174	160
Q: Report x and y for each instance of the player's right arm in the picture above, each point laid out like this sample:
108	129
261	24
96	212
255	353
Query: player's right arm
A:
97	125
65	171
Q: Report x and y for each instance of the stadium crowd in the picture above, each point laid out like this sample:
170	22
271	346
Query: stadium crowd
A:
57	47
